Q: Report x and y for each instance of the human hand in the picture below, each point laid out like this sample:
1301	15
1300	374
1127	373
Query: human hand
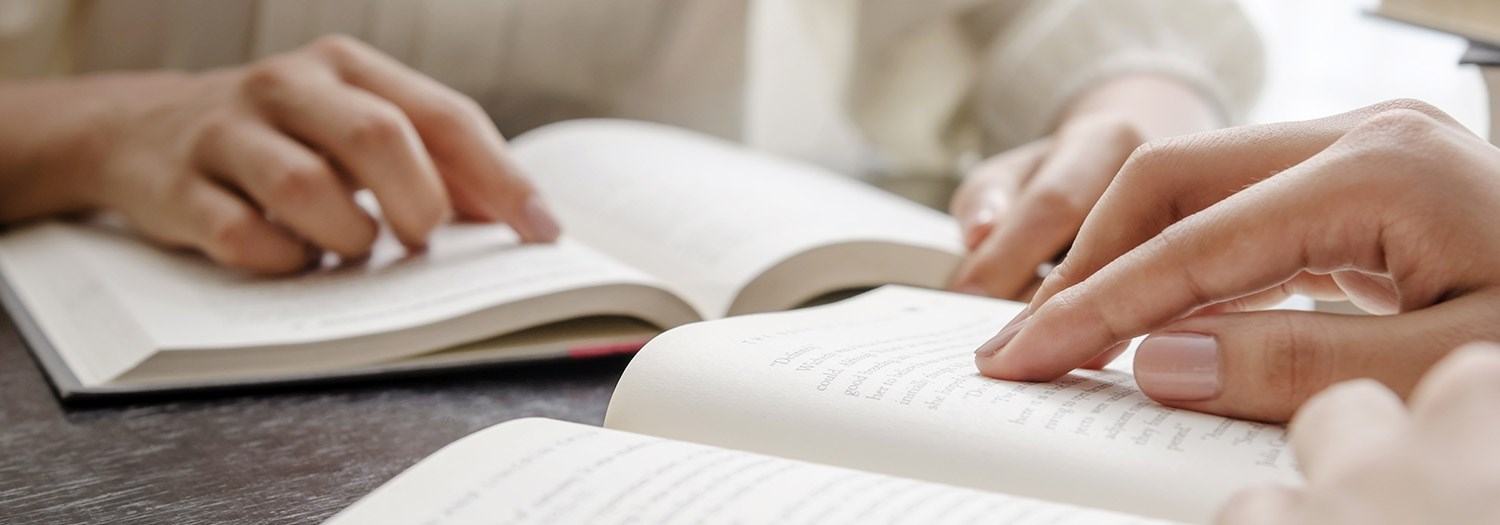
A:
1020	210
256	166
1370	460
1391	205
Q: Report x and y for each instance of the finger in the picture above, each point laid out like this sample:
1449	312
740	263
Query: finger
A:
370	138
1372	293
482	179
1315	286
1261	505
1310	218
984	196
228	230
1102	360
1346	422
1264	365
1461	392
1165	181
977	223
292	184
1044	222
1030	290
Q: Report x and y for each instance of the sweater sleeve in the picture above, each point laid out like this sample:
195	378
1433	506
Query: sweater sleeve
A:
1053	50
33	37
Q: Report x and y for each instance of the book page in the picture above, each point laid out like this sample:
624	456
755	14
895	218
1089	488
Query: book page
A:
705	215
184	301
886	382
544	471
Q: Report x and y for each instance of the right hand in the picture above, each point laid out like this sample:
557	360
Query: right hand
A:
1020	210
256	166
1392	206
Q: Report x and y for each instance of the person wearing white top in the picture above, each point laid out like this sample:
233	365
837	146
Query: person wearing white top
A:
901	93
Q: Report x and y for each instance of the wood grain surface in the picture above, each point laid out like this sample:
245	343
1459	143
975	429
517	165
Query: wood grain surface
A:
267	458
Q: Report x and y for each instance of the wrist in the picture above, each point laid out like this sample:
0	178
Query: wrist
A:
60	138
1157	106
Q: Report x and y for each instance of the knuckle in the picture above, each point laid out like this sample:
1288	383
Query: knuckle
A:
215	130
449	116
1294	365
299	184
1395	128
268	76
1151	157
1077	304
380	126
337	46
1410	104
1055	207
231	237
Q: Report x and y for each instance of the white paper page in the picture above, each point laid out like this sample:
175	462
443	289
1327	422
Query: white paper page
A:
543	471
886	382
703	214
186	302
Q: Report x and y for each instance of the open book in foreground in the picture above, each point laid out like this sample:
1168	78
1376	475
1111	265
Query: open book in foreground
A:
864	411
663	227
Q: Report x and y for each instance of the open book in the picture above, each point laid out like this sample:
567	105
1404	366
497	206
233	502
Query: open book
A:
663	227
864	411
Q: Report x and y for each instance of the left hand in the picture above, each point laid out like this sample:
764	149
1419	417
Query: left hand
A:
1021	209
1370	460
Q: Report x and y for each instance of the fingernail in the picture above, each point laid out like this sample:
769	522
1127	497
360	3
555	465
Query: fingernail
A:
977	225
995	344
979	216
539	222
1178	366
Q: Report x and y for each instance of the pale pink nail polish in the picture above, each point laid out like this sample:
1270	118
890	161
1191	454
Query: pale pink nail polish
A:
539	222
995	344
1178	367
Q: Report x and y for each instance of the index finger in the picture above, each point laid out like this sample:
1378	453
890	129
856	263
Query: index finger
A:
1252	241
1165	182
468	150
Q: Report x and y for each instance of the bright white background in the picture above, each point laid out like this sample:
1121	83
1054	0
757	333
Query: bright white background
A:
1327	56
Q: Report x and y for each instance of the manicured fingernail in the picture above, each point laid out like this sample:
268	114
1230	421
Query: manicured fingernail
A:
995	344
1178	366
977	225
539	222
979	216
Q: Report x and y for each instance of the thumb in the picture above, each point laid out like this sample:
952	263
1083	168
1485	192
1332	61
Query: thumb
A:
1264	365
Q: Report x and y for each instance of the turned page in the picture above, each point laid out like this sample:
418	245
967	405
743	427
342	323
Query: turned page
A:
708	216
544	471
886	382
180	301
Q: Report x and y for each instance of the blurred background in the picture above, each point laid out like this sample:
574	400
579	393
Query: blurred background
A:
1329	55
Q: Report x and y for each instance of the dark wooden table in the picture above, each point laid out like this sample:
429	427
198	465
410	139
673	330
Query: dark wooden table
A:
282	457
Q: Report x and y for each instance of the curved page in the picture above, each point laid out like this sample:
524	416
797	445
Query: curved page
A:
543	471
708	216
886	382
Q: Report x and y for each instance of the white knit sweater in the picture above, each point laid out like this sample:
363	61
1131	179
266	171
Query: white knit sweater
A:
863	86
